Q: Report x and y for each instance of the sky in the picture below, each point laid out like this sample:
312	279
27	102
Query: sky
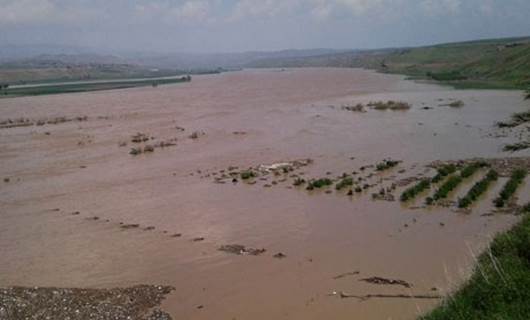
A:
256	25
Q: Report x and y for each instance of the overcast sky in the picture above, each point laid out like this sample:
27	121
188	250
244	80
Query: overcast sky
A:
241	25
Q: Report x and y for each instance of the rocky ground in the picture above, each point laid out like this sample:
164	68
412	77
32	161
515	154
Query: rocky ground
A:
94	304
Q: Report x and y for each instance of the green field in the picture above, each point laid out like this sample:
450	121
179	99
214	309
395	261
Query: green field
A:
85	87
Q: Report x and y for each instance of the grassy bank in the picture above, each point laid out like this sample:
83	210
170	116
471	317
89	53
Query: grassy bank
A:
500	285
85	87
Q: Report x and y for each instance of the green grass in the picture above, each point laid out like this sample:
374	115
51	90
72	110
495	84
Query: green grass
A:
510	187
500	285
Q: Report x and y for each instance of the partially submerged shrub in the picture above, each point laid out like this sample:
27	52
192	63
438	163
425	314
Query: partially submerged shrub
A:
139	137
516	146
386	164
345	182
456	104
319	183
356	108
510	187
411	192
298	182
516	120
479	188
390	104
245	175
135	151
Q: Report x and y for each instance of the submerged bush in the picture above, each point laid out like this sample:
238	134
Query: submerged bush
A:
245	175
411	192
387	164
298	182
516	147
319	183
516	120
345	182
457	104
510	187
479	188
390	104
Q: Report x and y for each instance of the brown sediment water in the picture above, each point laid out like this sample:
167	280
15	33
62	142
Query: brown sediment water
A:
153	209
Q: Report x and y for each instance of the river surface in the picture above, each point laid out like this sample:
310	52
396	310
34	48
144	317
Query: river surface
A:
246	119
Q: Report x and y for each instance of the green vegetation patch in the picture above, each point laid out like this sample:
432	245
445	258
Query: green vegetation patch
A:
443	172
469	170
510	187
499	287
446	76
245	175
389	105
479	188
411	192
447	187
319	183
345	182
87	86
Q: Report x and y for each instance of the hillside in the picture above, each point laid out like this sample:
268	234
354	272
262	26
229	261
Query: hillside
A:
489	63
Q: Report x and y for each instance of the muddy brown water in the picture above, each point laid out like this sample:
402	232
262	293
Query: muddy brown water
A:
79	166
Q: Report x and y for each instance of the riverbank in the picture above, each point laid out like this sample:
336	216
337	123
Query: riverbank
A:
499	286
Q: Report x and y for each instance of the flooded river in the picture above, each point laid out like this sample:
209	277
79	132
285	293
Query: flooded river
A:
74	195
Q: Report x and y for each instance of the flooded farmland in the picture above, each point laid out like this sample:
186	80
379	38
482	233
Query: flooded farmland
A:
215	165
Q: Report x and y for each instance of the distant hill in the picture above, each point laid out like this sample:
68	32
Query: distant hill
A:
483	63
501	63
185	61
